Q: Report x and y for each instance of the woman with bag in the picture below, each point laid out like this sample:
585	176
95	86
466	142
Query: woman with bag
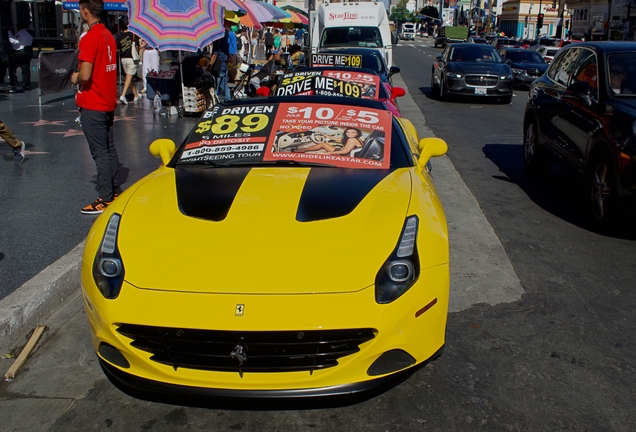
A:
127	48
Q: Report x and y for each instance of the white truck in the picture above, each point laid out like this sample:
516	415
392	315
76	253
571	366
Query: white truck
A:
408	31
363	24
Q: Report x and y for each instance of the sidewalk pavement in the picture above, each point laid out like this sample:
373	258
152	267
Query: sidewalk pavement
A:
480	269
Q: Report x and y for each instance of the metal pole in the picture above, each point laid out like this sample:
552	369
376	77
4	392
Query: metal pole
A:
539	29
609	17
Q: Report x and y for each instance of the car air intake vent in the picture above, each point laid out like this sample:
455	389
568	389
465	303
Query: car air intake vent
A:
533	73
246	351
481	80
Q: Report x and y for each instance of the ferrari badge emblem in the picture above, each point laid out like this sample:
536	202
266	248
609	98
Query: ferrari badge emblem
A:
240	309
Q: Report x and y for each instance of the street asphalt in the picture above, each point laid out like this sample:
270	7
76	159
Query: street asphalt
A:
41	224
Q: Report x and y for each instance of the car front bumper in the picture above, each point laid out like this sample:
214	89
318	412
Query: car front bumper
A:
397	327
457	86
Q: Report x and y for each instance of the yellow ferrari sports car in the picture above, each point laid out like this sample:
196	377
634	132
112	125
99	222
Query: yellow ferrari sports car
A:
291	247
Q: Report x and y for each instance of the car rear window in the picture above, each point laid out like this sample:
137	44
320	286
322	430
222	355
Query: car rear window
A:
290	134
551	52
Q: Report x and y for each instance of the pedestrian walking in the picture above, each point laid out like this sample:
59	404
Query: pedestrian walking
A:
21	54
220	58
126	45
17	145
97	99
149	63
268	40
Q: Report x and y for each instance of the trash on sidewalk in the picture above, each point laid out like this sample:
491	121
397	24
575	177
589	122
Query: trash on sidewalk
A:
19	362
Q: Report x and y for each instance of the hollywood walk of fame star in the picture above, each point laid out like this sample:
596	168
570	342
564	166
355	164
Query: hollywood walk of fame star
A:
69	133
120	118
47	123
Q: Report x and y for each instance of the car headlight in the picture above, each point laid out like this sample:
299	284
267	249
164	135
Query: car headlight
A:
400	271
517	71
108	268
453	75
506	77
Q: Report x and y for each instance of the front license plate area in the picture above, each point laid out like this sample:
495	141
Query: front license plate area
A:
480	90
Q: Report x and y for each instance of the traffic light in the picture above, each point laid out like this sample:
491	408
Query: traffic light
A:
554	2
526	20
539	20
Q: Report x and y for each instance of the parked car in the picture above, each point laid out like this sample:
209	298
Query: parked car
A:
469	69
547	52
582	112
357	83
525	43
526	65
206	278
371	59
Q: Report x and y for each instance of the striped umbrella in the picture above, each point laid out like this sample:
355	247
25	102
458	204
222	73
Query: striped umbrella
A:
185	25
265	12
295	18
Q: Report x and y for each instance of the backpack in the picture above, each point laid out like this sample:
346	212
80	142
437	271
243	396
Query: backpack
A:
239	43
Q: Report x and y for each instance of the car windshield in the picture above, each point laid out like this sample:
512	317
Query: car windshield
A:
510	42
332	82
621	73
524	56
550	42
271	133
351	36
474	54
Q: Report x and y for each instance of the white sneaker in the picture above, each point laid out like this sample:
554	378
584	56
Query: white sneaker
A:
18	154
123	100
138	98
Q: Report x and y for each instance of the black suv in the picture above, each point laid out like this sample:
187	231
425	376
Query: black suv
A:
582	112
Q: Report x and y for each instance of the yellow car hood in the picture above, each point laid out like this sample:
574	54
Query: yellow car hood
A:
278	230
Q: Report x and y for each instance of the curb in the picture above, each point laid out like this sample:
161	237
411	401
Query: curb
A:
39	298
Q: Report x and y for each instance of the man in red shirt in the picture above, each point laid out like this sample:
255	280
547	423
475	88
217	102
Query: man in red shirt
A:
97	99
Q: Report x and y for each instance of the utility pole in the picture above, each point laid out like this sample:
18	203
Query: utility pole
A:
539	28
559	29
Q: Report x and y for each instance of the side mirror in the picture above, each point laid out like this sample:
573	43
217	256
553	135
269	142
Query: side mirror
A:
579	88
438	57
397	92
393	70
429	148
163	148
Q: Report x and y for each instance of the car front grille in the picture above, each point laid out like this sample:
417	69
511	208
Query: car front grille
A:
246	351
481	80
533	73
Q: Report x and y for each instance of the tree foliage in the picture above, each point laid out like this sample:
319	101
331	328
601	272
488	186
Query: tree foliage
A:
399	13
430	11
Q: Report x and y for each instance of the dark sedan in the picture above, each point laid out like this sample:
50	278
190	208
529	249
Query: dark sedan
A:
582	112
501	43
526	65
469	69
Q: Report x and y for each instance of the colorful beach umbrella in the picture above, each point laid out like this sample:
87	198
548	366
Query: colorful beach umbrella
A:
295	18
265	12
185	25
248	19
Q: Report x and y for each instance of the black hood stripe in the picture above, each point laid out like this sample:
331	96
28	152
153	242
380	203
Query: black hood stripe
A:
208	193
331	193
